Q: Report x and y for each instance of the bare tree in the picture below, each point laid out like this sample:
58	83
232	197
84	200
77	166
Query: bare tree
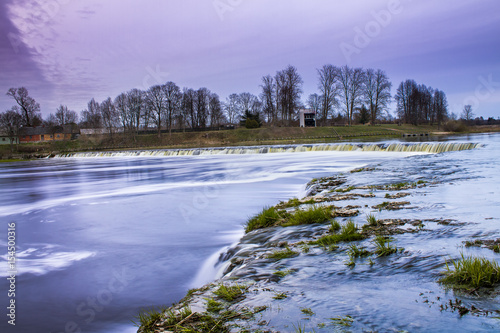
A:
51	121
329	88
110	115
268	97
404	101
351	83
188	106
440	107
425	104
467	113
231	106
10	123
314	103
30	109
173	98
136	108
377	92
71	117
91	118
156	102
288	92
248	102
121	104
215	107
65	116
201	106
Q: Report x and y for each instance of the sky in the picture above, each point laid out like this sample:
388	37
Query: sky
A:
70	51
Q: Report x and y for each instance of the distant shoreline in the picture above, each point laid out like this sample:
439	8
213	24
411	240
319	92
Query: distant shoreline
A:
233	138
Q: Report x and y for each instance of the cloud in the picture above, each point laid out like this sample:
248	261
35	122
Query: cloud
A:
84	49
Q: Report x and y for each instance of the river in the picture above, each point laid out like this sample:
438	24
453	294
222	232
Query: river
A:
100	237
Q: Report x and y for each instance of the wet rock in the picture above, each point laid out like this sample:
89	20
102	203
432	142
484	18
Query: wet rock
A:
327	183
397	195
446	222
346	212
388	227
391	205
492	244
366	169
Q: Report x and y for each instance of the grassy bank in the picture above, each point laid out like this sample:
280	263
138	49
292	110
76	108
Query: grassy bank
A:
238	137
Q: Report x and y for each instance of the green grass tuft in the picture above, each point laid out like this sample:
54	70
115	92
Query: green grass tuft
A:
348	233
383	246
147	319
372	220
343	321
307	311
283	273
471	273
314	214
356	252
267	218
214	306
294	202
345	190
230	293
300	328
350	263
334	227
279	296
282	254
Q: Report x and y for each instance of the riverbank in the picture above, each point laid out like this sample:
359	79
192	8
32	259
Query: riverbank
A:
229	138
290	273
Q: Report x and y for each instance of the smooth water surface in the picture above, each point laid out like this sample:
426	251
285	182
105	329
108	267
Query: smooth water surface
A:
100	238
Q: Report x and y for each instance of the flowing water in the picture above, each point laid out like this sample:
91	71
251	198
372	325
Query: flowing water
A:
100	236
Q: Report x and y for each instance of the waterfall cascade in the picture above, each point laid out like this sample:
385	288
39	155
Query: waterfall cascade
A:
428	147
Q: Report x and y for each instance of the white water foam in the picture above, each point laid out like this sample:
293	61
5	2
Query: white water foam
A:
40	261
428	147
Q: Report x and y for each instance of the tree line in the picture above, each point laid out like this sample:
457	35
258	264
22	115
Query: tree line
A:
345	94
419	104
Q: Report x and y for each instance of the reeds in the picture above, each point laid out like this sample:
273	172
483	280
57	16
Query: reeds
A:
471	273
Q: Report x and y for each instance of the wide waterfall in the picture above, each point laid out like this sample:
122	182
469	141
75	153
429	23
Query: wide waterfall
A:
427	147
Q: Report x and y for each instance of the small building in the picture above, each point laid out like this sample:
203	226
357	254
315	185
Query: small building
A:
5	139
307	118
52	133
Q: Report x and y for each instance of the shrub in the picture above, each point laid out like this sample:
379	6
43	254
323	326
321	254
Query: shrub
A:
251	123
455	126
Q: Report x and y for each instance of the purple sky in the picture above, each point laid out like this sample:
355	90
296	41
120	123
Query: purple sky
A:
68	51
